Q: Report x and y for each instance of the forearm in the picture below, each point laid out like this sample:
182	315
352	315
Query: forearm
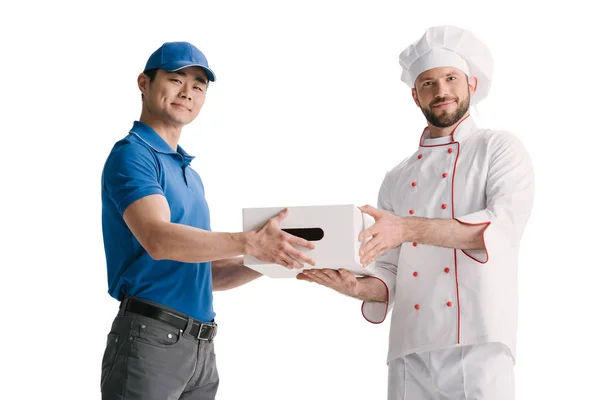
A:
371	289
230	273
443	232
188	244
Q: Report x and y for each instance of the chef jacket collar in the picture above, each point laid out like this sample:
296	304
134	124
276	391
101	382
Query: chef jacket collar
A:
461	131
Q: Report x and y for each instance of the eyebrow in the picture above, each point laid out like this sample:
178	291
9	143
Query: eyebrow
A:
199	78
429	78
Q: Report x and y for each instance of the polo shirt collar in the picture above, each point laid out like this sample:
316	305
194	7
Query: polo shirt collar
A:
158	144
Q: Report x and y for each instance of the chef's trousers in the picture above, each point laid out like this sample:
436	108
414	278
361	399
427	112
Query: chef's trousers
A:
475	372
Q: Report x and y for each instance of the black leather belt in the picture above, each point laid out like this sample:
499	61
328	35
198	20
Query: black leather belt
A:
200	330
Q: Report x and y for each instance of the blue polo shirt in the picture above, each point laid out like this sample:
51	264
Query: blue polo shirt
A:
139	165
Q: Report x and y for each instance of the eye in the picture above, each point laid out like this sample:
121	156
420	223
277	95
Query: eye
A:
428	83
175	80
451	78
198	88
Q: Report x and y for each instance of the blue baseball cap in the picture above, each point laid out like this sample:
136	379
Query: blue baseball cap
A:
173	56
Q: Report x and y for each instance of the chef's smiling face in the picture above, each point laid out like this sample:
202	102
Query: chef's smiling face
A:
444	95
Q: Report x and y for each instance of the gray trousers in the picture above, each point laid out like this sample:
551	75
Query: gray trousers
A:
151	360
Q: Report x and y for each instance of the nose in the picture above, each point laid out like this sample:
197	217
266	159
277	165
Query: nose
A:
442	89
185	92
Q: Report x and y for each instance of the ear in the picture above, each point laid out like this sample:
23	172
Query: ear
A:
472	82
415	97
143	82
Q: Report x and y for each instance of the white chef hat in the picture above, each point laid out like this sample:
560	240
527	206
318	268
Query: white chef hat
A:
449	46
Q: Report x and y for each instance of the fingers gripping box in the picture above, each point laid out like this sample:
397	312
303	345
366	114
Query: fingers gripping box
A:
333	229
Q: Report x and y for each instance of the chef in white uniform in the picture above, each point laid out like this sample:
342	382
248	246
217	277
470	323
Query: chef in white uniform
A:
446	240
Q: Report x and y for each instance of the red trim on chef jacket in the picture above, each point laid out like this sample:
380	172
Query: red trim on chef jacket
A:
452	142
455	257
487	225
387	302
451	134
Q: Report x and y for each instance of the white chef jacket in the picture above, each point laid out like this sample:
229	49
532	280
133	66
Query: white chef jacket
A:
443	297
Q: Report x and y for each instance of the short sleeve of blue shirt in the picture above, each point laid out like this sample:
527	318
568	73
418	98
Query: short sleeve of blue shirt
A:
131	172
139	165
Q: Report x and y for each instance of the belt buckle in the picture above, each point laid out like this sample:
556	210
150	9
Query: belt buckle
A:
213	332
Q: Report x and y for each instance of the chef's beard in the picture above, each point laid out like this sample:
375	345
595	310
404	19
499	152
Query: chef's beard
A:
446	119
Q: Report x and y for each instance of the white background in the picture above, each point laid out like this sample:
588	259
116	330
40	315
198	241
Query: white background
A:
308	108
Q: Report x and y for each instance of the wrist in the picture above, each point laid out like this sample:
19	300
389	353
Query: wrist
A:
243	242
359	288
404	233
372	289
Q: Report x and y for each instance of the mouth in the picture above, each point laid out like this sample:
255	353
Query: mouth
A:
177	105
444	104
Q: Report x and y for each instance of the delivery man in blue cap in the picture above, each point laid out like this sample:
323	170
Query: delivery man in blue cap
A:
163	261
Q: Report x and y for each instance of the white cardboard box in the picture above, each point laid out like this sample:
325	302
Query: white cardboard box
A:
334	230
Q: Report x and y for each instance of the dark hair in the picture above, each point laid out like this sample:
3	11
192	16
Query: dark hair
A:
150	73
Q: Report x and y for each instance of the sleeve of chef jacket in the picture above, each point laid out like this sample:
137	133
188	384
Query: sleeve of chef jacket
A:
385	266
509	197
